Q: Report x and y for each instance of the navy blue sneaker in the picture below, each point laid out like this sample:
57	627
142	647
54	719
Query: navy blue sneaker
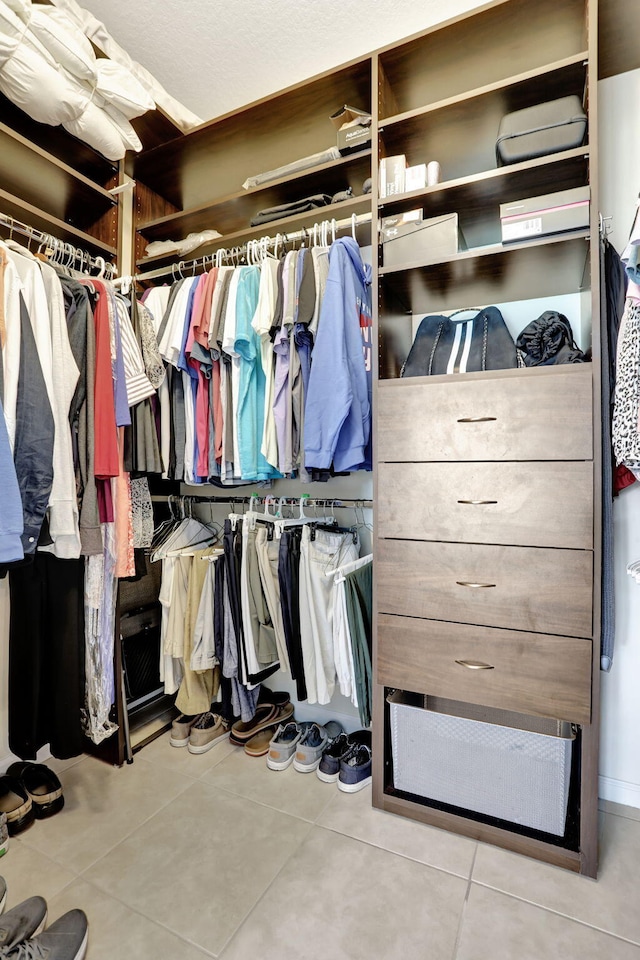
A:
337	750
355	769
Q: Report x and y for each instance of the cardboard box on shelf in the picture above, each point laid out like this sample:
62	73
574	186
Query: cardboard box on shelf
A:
415	178
422	241
353	128
541	216
388	224
392	174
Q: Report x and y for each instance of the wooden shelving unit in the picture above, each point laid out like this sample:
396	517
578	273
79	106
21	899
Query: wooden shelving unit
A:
441	95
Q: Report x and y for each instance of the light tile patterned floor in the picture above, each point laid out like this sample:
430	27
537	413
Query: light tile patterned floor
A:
180	857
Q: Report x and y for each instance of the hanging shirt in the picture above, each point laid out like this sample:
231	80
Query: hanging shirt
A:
261	323
253	465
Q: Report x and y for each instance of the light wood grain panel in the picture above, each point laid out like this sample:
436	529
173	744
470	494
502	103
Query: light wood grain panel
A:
528	588
522	504
531	673
535	415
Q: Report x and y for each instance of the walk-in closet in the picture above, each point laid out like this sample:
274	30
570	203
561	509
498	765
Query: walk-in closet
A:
319	449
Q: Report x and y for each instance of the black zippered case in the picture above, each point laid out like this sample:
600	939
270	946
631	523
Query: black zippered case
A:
541	130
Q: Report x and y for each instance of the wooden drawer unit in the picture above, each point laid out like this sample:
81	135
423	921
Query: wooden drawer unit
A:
519	588
519	415
530	673
521	504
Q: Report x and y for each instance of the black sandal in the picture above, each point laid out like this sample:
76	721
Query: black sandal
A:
42	786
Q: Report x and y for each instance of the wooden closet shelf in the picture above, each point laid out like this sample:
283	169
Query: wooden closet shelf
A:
548	266
38	177
560	171
41	220
228	214
568	71
338	211
56	142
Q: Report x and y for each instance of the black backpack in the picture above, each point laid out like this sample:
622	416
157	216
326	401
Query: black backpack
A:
549	339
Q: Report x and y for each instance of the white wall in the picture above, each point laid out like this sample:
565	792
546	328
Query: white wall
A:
619	145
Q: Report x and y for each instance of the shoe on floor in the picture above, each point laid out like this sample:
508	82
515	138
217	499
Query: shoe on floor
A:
209	729
42	785
313	744
266	715
259	744
16	803
283	745
279	698
329	768
22	922
181	728
66	939
3	894
355	769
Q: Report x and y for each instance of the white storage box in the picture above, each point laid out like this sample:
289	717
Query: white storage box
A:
516	769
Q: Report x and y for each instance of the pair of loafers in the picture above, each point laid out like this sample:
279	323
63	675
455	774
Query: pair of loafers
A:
28	792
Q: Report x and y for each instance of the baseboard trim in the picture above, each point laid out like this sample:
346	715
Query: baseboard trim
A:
619	791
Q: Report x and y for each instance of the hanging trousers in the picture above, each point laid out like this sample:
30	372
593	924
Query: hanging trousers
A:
358	591
46	657
289	579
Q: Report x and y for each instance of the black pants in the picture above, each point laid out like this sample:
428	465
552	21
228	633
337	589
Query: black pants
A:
289	579
46	657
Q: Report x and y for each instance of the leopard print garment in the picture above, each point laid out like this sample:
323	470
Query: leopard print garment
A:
625	435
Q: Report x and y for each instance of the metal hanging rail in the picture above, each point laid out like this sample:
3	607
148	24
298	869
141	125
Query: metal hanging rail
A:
60	251
336	502
255	248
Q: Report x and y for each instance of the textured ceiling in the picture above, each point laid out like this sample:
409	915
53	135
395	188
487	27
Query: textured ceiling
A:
216	55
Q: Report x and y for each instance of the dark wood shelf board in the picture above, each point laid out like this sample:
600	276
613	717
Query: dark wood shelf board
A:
29	172
618	32
41	220
561	73
57	142
338	211
283	128
486	833
156	128
481	49
548	266
229	214
561	171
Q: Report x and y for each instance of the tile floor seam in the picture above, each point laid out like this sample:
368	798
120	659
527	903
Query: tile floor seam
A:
266	889
456	945
558	913
47	856
261	803
394	853
130	834
157	923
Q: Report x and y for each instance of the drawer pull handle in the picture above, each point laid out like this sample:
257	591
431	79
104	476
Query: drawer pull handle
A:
477	502
476	419
475	665
472	585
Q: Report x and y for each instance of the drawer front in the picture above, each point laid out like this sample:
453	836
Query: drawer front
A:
532	415
526	672
519	588
518	504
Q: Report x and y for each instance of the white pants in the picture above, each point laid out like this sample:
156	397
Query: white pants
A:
317	557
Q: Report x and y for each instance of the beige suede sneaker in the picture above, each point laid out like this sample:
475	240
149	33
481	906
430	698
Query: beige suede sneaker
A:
208	730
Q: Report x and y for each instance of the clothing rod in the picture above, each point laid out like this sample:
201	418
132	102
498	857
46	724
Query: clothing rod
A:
229	253
337	503
67	252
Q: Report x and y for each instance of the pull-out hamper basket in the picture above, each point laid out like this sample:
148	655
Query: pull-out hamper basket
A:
500	764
